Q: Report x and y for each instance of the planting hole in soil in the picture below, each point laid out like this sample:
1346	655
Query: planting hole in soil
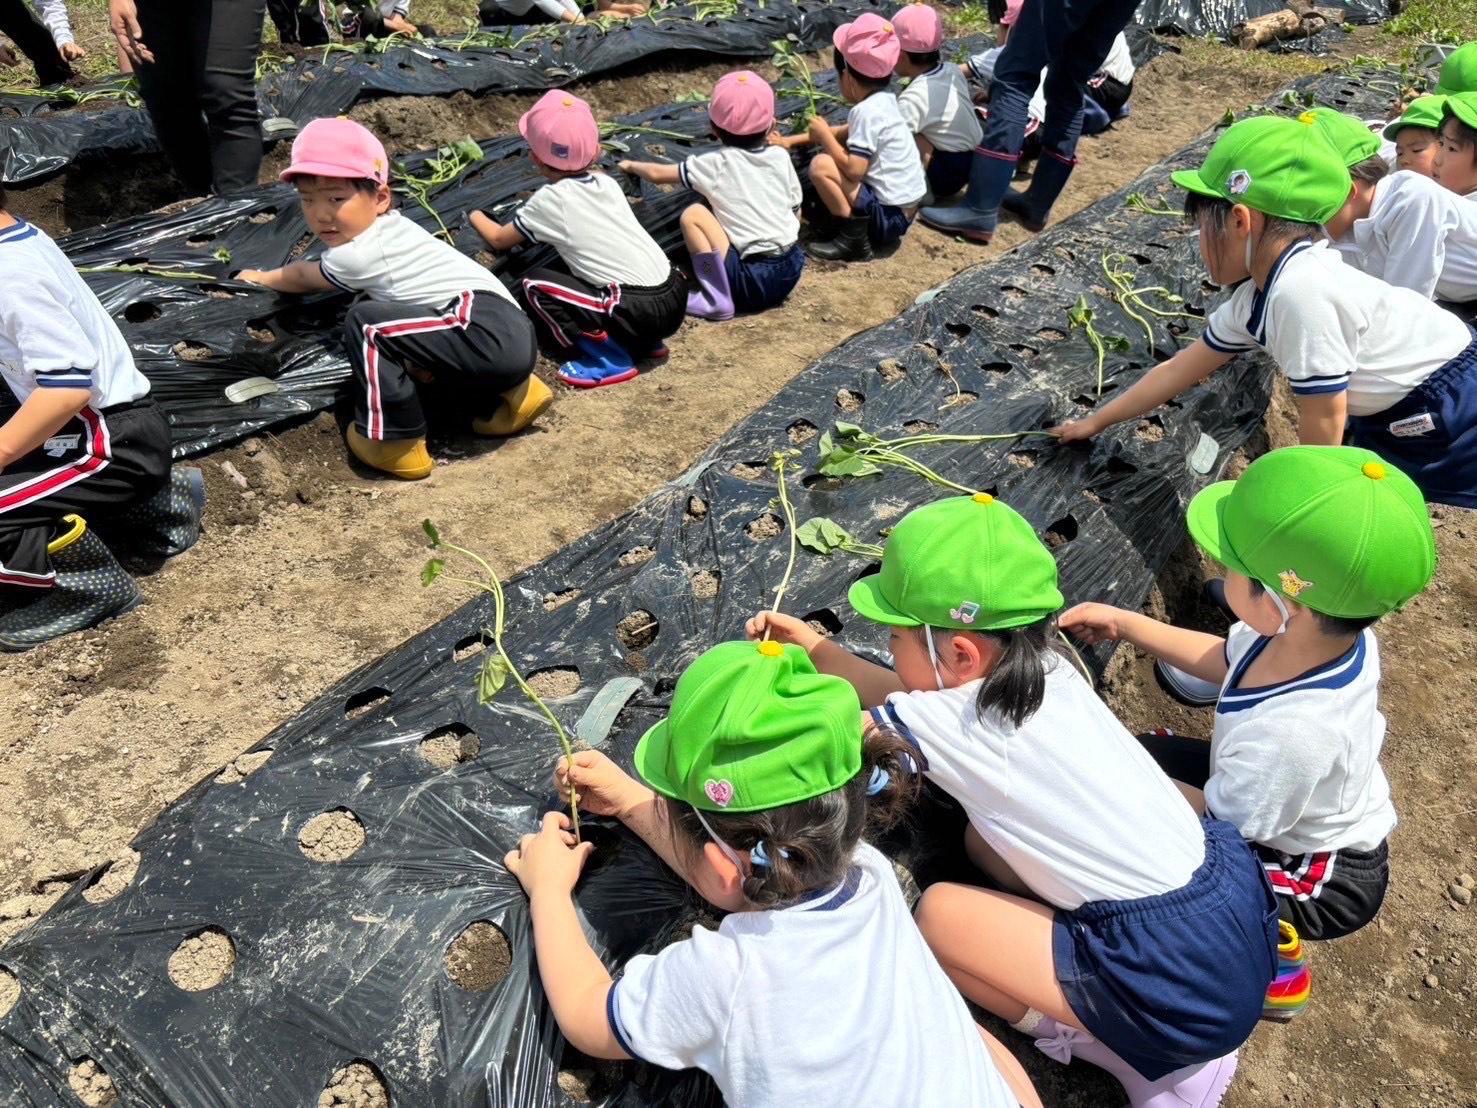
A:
332	836
891	369
113	880
190	351
1085	399
705	583
471	646
260	333
1041	270
555	682
1014	294
1209	288
479	958
1050	334
91	1085
920	427
823	622
1142	259
365	701
958	330
962	399
450	746
1026	352
765	527
749	471
849	400
819	482
997	367
802	431
10	992
203	960
300	247
357	1085
985	310
266	215
141	311
874	567
1061	532
585	1080
637	630
697	508
200	239
1023	459
558	599
1150	430
242	766
219	292
637	556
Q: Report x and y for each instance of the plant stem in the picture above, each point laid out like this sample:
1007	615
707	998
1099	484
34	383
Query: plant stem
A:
779	461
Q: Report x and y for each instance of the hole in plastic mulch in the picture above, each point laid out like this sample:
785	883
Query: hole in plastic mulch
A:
823	622
637	630
556	682
470	646
356	1085
1061	532
202	960
479	958
141	311
802	431
450	746
332	836
764	527
365	701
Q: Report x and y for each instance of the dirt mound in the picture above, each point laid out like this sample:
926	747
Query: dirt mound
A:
479	958
331	836
357	1085
93	1087
203	960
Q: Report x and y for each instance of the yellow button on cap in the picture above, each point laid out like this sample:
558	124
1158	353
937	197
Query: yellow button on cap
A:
1373	470
568	102
771	649
983	498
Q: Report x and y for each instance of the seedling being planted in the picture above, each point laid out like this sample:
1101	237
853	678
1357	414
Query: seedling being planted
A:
826	536
497	667
853	452
448	164
1081	315
792	65
1116	268
777	462
1138	202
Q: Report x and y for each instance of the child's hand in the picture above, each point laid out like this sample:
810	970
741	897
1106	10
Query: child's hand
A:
71	52
1078	430
819	128
783	629
1093	623
601	787
252	276
548	863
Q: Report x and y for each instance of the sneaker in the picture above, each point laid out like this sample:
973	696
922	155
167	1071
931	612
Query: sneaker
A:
599	361
1288	993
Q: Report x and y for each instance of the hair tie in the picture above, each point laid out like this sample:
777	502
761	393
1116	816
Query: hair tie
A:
759	856
878	781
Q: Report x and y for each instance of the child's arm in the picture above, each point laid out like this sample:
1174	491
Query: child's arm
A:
925	149
1194	652
44	413
54	14
1165	381
295	279
604	789
1321	418
502	237
832	141
873	683
655	172
575	981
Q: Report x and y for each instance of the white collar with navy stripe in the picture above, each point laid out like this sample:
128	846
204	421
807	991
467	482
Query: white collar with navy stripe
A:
1256	322
17	231
1337	674
828	900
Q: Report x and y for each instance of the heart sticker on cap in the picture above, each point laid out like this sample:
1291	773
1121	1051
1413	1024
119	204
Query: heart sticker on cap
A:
719	792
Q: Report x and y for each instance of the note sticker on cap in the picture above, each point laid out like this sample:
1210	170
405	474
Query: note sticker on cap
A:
966	612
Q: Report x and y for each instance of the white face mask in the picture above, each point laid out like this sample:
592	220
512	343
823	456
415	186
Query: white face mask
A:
1281	607
1250	250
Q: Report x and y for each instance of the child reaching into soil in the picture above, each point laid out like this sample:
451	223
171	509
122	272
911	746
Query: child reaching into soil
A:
1456	162
873	183
1123	929
936	104
1417	135
1320	542
515	13
744	243
428	315
758	786
620	298
1396	367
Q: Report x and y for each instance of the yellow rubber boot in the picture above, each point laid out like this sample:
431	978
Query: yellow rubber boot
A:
520	407
407	459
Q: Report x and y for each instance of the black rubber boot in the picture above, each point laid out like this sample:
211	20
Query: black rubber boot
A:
851	243
90	587
167	523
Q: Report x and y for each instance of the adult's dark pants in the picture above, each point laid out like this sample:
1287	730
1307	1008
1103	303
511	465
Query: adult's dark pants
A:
19	24
1070	39
200	89
297	25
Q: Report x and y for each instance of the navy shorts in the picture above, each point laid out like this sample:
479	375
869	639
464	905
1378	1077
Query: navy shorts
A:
1431	435
762	281
887	223
1177	979
948	172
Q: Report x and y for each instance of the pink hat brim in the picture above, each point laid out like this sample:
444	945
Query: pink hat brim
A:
325	169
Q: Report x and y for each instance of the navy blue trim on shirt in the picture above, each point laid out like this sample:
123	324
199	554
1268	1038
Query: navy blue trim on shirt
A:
837	894
1256	322
17	233
861	151
63	379
885	715
1337	674
332	280
612	1016
522	228
1208	336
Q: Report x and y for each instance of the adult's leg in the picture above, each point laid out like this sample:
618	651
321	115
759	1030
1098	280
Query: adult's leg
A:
19	23
170	86
228	91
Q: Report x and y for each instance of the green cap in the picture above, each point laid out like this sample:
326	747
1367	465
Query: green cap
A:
1332	527
1350	138
1274	165
1463	105
1459	71
969	563
1423	111
753	726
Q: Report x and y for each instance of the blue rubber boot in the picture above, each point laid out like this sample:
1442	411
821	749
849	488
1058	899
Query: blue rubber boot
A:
600	361
1032	207
977	215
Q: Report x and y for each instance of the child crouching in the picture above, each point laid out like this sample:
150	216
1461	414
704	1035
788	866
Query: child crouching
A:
936	104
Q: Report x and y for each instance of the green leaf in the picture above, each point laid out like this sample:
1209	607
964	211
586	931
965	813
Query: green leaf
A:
223	254
822	535
849	430
824	445
1116	342
431	533
433	569
468	150
845	463
492	678
1080	314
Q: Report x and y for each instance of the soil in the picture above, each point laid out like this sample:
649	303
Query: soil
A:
705	583
117	877
357	1085
479	958
10	992
238	769
91	1085
637	630
102	730
202	961
764	527
556	682
450	747
331	836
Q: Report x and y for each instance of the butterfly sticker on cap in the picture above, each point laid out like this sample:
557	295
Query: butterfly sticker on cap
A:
1292	584
966	612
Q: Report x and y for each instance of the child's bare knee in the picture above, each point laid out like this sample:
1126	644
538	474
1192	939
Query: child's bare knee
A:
690	215
823	166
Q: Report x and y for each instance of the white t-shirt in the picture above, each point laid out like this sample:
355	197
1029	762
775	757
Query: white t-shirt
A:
1296	766
1119	62
53	13
894	167
398	262
937	106
1417	236
983	66
54	333
587	219
554	9
1069	800
1331	328
834	1000
753	193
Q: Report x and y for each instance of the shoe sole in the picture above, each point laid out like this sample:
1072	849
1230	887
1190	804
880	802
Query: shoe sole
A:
1217	1092
981	237
585	383
11	646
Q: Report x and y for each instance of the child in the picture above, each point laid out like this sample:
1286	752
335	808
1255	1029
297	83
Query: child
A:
621	298
1458	71
1402	370
1456	161
874	182
744	245
816	987
936	104
1130	933
428	313
1320	542
37	38
53	15
1417	135
512	13
87	438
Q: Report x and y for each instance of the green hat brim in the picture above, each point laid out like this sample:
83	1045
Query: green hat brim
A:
1463	107
1191	181
867	599
1205	520
646	765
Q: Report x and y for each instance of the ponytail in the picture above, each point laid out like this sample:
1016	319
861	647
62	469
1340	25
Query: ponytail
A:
1016	686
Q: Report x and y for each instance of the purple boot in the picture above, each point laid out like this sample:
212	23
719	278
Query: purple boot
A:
1198	1086
712	299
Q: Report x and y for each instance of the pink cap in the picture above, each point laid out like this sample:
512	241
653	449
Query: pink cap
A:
919	29
561	131
1012	12
869	45
337	148
742	104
